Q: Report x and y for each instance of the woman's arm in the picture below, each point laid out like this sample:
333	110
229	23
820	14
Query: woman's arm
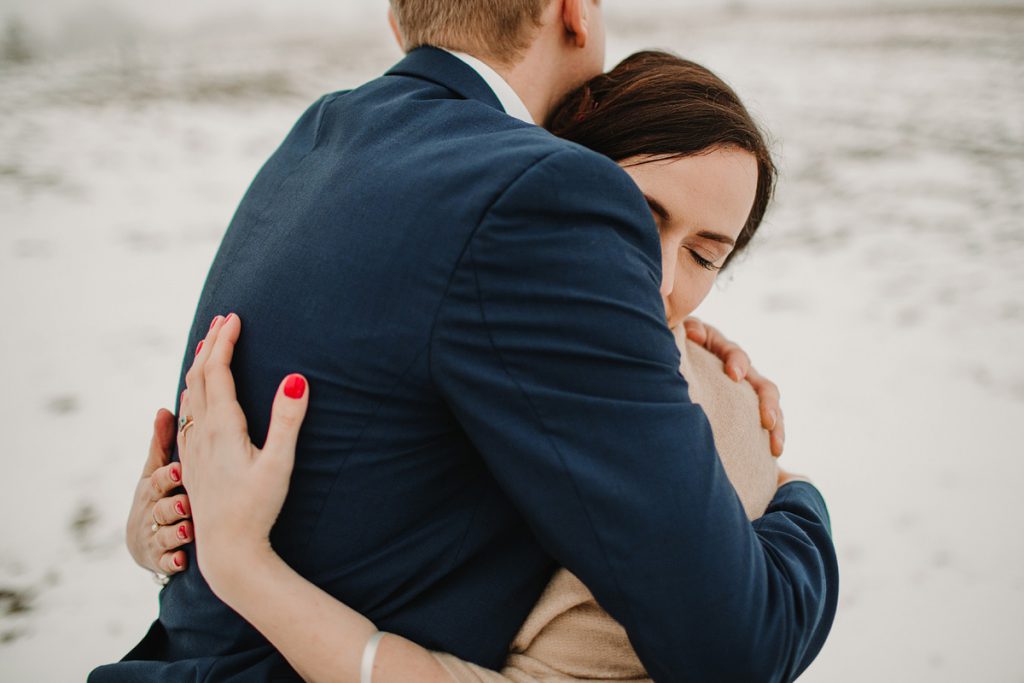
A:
322	638
236	492
156	499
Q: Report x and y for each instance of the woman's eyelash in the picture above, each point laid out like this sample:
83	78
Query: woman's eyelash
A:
703	262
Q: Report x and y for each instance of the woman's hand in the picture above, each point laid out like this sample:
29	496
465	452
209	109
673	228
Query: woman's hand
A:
789	477
159	550
235	489
737	366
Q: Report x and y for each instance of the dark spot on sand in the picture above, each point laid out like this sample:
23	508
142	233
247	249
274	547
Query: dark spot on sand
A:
941	559
29	180
852	554
981	375
9	636
909	317
905	521
783	302
63	405
141	241
32	248
83	522
15	601
1012	310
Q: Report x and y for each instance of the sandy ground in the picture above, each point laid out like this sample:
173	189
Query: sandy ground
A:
886	296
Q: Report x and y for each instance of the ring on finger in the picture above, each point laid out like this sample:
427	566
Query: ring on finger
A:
185	422
156	525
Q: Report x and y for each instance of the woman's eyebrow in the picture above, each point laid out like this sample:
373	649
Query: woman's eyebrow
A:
657	207
717	237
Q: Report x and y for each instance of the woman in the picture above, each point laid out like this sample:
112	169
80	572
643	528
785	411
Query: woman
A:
691	147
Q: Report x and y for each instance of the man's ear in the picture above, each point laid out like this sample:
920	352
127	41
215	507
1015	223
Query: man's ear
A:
395	31
575	17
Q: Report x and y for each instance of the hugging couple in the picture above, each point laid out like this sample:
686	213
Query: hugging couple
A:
494	448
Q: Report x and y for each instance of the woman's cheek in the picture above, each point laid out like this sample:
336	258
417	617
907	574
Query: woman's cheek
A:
690	291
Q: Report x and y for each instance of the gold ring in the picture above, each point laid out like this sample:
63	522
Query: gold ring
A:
184	423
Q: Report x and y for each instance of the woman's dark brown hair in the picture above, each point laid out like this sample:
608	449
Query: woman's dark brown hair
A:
657	104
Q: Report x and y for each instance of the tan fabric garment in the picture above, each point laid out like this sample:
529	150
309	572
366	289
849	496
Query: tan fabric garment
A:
568	637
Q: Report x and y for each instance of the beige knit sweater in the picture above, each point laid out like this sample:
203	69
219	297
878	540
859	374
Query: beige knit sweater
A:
568	637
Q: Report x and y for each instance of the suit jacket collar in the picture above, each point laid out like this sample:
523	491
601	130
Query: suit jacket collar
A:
444	68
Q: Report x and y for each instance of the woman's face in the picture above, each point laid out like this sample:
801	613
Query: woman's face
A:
701	204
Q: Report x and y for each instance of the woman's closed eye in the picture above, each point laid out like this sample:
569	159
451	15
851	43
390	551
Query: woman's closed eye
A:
704	260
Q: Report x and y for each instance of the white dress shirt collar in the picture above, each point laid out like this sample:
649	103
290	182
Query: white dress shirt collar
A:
510	100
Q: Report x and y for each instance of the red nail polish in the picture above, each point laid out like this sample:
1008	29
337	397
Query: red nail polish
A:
295	387
177	562
214	322
228	319
180	508
182	534
175	474
200	347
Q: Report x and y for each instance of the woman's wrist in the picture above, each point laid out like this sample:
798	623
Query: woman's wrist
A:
235	571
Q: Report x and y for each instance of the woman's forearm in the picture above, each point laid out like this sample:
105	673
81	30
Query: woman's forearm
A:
322	638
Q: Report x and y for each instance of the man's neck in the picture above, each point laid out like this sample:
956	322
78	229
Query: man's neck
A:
533	82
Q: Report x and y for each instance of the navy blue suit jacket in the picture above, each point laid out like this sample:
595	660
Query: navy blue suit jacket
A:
494	391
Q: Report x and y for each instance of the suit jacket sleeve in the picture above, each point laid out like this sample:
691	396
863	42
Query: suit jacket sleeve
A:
552	350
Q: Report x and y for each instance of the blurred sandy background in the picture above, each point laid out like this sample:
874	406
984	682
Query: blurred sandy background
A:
885	295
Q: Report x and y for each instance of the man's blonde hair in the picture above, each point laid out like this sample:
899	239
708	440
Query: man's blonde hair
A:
498	29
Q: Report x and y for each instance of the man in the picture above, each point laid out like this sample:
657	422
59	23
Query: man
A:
477	305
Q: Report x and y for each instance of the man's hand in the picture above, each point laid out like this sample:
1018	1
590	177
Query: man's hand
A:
159	551
738	367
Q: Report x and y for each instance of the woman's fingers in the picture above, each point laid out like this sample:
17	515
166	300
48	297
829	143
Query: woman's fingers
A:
174	536
696	331
195	379
769	397
173	562
286	418
172	509
185	409
222	409
738	367
220	384
772	419
778	438
734	359
164	480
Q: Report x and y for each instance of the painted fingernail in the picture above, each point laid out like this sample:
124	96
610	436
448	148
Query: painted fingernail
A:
228	319
180	508
295	387
200	347
175	474
212	324
182	533
177	562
